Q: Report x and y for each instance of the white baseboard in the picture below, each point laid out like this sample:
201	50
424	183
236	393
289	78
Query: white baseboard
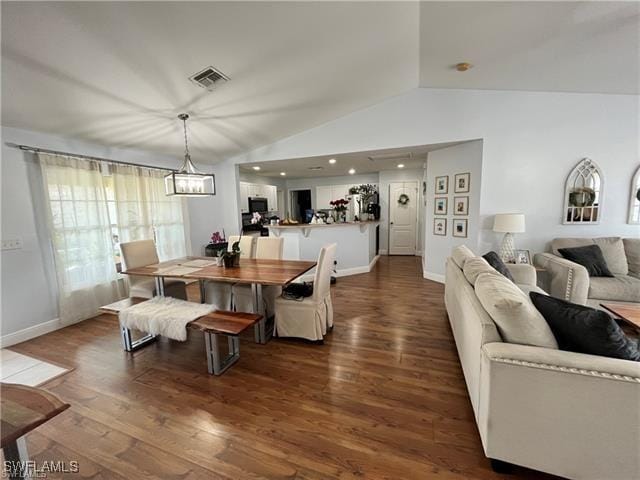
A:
30	332
345	272
436	277
382	251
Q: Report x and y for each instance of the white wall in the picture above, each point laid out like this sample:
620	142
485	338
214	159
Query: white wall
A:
464	158
532	140
27	291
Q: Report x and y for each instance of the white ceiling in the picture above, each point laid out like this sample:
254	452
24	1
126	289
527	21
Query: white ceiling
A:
115	73
548	46
372	161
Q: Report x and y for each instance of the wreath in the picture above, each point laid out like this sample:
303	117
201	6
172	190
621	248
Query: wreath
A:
403	199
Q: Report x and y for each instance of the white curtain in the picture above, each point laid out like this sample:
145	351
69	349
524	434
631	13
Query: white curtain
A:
81	235
92	207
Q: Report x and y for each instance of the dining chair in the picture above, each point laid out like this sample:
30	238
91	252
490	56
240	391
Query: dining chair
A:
267	248
141	253
220	294
312	317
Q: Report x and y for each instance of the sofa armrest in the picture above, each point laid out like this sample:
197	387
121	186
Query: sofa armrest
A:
523	274
563	361
573	415
564	279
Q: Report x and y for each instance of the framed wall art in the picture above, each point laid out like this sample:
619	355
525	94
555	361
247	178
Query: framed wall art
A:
440	226
460	227
461	205
442	185
462	183
440	206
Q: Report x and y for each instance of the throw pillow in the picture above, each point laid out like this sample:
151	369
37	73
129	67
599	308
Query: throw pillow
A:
590	257
474	267
513	313
614	254
461	254
632	250
496	262
584	329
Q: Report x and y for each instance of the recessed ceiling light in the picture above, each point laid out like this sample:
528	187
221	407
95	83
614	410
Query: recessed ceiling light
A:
352	171
332	161
283	173
256	167
401	165
463	67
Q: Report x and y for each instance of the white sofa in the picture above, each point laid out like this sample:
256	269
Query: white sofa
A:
565	413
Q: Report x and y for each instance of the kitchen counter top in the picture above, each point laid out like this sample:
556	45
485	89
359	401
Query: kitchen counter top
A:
305	226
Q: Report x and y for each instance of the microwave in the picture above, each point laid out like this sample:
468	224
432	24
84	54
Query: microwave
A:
258	204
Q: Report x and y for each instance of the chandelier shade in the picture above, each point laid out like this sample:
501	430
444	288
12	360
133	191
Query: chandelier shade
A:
188	181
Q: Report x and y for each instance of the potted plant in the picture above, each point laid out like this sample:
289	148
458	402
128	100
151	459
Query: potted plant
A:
217	245
340	207
232	258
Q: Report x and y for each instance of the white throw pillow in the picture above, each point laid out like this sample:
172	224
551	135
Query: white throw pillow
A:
474	267
514	314
461	254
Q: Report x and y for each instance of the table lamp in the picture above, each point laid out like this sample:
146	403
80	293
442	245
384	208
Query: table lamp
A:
508	223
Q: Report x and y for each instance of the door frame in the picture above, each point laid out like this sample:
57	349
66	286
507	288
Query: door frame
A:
415	251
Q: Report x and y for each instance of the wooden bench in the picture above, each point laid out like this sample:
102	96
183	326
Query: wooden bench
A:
213	325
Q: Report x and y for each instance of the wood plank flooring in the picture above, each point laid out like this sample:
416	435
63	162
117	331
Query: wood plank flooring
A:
384	397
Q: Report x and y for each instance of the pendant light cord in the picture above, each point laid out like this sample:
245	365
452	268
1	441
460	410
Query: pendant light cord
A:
186	142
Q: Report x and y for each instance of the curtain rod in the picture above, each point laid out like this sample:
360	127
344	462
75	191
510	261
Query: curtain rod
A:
28	148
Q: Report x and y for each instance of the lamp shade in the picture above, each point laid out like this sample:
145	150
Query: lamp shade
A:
508	223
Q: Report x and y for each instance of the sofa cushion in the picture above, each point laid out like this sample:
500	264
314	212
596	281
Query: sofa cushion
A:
624	288
460	254
632	251
517	319
590	257
527	289
496	262
474	267
614	254
613	250
584	329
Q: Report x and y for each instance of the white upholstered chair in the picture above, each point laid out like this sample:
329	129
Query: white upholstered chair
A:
313	316
141	253
220	293
267	248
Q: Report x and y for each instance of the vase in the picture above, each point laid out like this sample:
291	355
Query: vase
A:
231	260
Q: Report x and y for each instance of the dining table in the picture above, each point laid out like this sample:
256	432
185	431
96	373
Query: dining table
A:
249	271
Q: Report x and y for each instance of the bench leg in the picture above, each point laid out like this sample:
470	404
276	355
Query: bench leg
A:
159	286
129	344
203	291
16	458
215	364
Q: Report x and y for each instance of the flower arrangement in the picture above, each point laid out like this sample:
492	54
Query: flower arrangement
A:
216	237
367	191
339	205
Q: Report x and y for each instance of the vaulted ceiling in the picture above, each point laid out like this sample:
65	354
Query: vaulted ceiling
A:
116	73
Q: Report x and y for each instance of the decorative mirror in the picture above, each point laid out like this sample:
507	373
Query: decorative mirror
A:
583	194
634	200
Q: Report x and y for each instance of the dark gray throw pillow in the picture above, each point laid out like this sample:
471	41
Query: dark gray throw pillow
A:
584	329
590	257
496	262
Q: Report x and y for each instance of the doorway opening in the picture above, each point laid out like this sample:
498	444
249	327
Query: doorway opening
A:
300	204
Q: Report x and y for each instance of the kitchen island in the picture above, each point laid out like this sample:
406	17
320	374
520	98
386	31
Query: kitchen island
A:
357	250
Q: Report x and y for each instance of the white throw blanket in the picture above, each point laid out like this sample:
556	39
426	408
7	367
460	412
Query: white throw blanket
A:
164	316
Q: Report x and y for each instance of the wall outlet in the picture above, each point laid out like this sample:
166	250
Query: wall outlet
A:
12	244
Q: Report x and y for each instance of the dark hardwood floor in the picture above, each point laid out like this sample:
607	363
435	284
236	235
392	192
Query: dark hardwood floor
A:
384	397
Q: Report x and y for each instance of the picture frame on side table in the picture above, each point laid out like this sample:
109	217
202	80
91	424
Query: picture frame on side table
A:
442	185
461	206
440	226
523	257
460	227
462	183
440	206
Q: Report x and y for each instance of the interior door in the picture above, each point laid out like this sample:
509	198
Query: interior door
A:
403	218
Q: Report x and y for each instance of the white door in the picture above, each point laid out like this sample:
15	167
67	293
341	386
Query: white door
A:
403	218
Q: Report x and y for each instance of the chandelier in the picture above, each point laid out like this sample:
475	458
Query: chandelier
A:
188	181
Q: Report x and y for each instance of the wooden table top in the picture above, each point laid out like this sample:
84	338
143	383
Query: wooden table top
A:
630	313
23	409
264	272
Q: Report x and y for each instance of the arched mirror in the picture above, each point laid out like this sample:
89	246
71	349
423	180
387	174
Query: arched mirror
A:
634	200
583	194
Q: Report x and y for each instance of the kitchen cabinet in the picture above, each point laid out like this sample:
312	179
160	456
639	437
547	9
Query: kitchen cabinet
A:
270	192
244	197
323	197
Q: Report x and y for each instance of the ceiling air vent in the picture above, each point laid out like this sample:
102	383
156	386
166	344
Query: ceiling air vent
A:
209	78
315	169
